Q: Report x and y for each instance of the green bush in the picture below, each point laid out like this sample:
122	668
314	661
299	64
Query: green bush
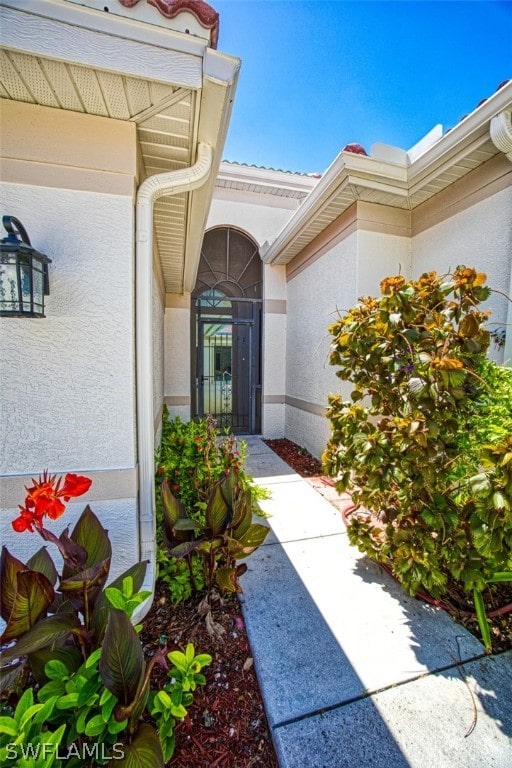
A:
192	460
424	443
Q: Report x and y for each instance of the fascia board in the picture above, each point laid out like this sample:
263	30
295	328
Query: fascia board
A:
214	128
63	40
220	66
347	169
366	169
101	21
474	125
272	180
333	182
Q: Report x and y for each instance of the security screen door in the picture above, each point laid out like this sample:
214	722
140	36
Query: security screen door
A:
226	332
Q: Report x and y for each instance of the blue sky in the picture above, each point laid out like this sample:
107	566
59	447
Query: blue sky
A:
317	75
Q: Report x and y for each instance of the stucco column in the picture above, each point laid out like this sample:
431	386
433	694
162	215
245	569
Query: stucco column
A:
501	135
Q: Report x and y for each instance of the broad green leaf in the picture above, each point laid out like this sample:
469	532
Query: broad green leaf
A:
114	727
89	534
45	712
53	689
218	514
34	594
93	658
189	652
8	726
95	726
26	701
137	573
115	598
122	661
10	566
47	631
252	539
180	712
145	751
56	670
42	562
69	701
172	508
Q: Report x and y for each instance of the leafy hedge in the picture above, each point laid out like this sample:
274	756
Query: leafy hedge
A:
424	442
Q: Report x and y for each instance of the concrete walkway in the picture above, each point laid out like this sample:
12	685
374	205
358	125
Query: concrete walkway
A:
353	672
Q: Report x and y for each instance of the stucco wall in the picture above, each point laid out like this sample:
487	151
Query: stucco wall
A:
309	377
260	216
177	356
68	390
274	348
352	268
481	237
67	400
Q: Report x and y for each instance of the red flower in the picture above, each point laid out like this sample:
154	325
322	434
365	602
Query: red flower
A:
75	485
44	498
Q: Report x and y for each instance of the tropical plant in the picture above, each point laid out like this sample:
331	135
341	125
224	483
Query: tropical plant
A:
227	535
169	704
77	639
72	617
192	460
431	481
23	743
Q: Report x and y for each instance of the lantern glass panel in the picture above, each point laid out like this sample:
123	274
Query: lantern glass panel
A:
9	284
38	285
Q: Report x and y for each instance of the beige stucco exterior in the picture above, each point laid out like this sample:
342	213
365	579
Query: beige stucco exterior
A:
72	179
84	388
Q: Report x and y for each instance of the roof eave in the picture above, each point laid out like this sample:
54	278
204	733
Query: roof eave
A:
350	170
347	169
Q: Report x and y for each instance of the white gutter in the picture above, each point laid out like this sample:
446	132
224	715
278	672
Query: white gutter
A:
152	188
370	172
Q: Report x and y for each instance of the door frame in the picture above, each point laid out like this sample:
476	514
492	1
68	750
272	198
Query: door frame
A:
201	316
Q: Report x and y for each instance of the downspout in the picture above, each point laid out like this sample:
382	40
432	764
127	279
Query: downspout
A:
152	188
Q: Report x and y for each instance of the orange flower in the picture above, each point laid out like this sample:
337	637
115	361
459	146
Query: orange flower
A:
44	499
392	285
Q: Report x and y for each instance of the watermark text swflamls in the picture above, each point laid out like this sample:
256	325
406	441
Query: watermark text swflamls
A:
82	751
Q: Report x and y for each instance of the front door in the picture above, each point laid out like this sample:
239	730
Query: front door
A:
228	366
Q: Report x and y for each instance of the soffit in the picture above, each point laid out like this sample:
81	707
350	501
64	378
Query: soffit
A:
265	181
165	116
372	189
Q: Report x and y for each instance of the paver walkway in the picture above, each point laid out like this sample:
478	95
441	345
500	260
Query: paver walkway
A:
353	672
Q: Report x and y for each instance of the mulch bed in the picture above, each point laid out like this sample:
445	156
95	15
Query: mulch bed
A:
226	726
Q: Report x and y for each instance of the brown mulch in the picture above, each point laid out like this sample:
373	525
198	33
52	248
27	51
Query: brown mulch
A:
226	726
302	462
459	605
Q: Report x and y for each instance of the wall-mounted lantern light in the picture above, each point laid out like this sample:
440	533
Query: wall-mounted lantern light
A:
23	273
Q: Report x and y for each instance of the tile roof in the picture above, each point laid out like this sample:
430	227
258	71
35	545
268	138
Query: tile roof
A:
276	170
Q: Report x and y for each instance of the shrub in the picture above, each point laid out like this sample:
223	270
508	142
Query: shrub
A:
79	644
192	461
423	443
